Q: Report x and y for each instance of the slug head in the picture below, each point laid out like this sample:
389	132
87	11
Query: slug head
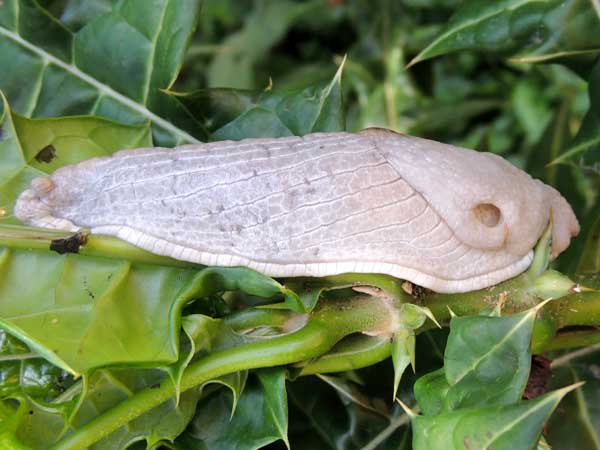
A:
488	203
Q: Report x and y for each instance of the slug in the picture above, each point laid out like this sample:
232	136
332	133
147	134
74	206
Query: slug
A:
442	217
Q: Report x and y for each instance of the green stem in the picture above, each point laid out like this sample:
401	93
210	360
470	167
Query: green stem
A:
256	317
573	339
333	320
578	309
354	352
15	236
515	295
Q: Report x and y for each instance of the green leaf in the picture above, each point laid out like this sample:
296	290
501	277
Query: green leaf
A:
204	336
273	383
499	427
346	388
338	419
23	372
114	66
535	30
542	253
486	362
584	152
107	388
238	114
576	424
78	311
264	25
431	391
567	179
260	417
9	422
403	354
74	14
589	260
34	147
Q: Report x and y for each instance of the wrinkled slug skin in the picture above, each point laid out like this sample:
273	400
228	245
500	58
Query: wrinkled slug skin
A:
446	218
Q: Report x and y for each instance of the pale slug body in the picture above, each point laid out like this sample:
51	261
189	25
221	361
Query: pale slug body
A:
442	217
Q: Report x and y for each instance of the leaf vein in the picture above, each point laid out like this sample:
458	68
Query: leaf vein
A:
103	88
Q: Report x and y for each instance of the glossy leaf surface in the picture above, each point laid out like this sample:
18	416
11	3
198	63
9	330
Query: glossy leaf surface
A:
48	70
538	31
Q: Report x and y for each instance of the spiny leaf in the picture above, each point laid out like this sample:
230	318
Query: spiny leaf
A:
499	427
107	388
260	418
486	362
114	66
78	314
206	335
237	114
536	30
576	424
403	354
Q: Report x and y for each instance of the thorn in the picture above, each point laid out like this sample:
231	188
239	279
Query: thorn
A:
578	289
554	284
406	409
452	315
431	317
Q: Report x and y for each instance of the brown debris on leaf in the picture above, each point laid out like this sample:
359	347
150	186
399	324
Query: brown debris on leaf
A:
68	245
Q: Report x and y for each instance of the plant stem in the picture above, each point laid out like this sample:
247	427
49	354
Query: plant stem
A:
109	247
354	352
573	339
578	309
333	320
256	317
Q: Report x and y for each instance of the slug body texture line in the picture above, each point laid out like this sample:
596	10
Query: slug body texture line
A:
443	217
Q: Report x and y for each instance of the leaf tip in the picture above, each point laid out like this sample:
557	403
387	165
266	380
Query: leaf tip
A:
565	390
417	59
338	74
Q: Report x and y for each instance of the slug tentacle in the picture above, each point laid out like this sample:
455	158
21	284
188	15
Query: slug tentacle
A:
446	218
